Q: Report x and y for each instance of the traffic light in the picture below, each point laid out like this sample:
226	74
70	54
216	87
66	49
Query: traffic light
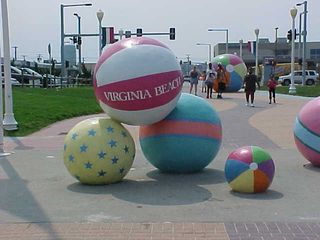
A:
79	41
127	34
139	32
289	35
74	39
172	33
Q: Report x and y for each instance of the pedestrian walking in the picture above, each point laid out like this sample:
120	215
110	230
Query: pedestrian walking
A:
194	75
202	78
250	81
221	80
272	84
209	83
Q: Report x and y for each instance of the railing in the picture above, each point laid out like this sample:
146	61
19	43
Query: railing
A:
56	82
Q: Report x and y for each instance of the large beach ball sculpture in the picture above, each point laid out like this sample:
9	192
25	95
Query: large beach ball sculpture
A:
249	169
235	68
137	81
98	151
307	131
187	140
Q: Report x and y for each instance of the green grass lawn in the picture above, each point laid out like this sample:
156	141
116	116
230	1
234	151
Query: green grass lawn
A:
35	108
306	91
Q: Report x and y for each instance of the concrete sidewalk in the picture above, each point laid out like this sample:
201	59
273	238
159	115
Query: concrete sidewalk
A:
40	200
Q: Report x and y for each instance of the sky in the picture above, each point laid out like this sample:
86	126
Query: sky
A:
33	24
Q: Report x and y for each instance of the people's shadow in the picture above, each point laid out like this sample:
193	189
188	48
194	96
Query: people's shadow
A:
161	189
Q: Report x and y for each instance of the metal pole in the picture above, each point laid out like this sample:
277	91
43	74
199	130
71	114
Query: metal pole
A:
299	44
256	31
79	41
292	88
100	38
2	153
304	50
227	41
63	69
210	52
276	43
240	51
9	121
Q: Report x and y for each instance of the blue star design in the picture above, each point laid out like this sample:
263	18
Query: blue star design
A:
114	160
92	132
101	154
126	149
83	148
74	136
101	173
110	129
124	134
88	165
65	147
112	143
71	158
121	170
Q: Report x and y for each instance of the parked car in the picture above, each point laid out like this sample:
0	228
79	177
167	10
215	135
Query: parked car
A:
24	76
311	78
13	81
29	71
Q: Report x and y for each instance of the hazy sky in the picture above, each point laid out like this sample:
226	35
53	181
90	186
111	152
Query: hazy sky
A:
36	23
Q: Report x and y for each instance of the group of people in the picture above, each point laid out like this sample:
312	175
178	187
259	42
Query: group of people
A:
209	80
251	81
218	79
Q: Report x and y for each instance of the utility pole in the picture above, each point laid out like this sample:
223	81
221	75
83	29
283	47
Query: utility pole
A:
15	52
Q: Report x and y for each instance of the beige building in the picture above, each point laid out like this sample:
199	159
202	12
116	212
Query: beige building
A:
280	50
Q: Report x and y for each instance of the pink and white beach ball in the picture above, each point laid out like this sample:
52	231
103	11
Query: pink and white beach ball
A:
138	81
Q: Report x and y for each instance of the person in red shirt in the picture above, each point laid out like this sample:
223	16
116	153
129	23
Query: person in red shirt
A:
272	84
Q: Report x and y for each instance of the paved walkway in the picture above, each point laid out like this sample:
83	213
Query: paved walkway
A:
40	200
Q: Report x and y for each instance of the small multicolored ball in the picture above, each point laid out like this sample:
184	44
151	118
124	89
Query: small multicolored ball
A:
249	169
138	81
307	131
98	151
187	140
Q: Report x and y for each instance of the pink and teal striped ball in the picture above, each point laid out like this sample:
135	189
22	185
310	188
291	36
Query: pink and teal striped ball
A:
187	140
249	169
307	131
137	81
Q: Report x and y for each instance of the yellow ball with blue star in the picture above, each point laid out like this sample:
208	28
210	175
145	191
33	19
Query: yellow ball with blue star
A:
98	151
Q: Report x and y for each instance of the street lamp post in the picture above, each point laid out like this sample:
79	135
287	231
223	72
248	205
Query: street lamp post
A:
299	43
79	40
256	31
62	6
9	122
209	49
292	88
222	30
100	14
276	43
240	46
304	45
